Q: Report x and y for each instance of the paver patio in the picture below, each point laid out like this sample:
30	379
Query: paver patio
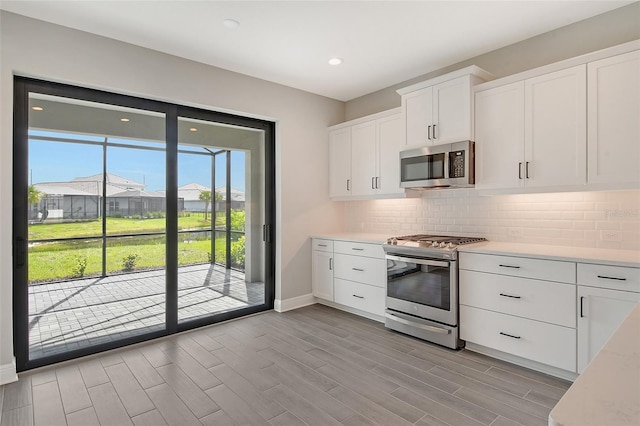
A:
75	314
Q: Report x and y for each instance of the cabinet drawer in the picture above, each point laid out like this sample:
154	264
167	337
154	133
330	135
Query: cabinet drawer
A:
359	249
606	276
524	297
538	341
360	296
549	270
361	269
321	244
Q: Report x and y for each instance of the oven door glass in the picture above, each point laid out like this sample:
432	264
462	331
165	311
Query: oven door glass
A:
413	281
423	167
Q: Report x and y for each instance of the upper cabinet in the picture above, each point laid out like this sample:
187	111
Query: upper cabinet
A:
567	126
365	156
614	120
532	133
438	111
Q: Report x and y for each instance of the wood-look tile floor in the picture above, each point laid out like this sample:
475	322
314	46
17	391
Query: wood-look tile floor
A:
315	366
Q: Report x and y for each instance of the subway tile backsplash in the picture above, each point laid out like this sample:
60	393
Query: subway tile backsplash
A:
604	219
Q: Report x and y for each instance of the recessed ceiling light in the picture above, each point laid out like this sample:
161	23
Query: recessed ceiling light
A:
193	129
37	108
231	23
335	61
124	120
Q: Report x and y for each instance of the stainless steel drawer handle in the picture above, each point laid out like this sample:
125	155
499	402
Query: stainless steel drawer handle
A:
510	335
611	278
509	266
422	326
322	245
357	249
510	296
359	297
358	269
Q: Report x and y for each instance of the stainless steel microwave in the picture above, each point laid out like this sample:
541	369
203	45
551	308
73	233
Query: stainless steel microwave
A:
440	166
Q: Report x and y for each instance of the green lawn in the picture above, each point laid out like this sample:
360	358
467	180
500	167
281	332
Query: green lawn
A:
59	260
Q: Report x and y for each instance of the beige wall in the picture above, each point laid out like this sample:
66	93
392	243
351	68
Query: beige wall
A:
602	31
35	48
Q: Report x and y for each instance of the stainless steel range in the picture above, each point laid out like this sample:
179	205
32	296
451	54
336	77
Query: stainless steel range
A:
422	286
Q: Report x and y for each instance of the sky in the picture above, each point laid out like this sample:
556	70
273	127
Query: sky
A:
59	162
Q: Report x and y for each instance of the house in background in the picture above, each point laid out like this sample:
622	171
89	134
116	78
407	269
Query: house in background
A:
80	198
190	193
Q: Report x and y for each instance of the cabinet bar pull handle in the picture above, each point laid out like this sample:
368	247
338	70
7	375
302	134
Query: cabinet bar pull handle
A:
322	245
434	132
429	132
611	278
358	269
509	266
357	249
508	295
348	181
526	170
510	335
520	170
581	310
377	182
373	182
359	297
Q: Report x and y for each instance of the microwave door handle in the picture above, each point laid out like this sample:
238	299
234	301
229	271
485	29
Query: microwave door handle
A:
446	165
417	261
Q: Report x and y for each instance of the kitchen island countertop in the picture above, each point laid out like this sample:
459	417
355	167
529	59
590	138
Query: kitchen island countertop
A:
608	390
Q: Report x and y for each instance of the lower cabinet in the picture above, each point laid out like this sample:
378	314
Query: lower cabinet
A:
350	274
602	309
535	340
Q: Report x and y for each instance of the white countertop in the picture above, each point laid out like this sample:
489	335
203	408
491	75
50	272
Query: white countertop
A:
355	237
629	258
608	390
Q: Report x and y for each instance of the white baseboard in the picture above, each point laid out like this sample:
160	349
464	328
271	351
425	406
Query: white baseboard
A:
351	310
280	305
8	373
523	362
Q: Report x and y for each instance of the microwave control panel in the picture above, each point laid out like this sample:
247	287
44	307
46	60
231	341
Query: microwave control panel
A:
456	164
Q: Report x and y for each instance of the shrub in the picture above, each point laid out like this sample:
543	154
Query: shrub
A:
237	252
78	269
129	262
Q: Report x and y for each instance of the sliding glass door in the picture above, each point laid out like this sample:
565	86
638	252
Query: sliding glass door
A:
133	219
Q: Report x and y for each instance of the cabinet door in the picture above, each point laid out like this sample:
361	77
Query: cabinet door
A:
363	158
499	131
452	111
391	140
614	123
322	275
556	128
419	115
340	162
600	313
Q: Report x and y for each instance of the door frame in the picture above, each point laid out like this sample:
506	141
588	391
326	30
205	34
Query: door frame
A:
22	87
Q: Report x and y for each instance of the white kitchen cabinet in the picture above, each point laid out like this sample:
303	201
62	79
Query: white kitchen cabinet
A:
355	278
441	113
365	157
606	295
613	120
499	131
532	133
520	306
340	162
322	269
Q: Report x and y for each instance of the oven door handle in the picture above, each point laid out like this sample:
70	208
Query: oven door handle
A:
418	261
430	328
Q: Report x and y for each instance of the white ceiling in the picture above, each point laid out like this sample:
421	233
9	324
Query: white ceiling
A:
289	42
